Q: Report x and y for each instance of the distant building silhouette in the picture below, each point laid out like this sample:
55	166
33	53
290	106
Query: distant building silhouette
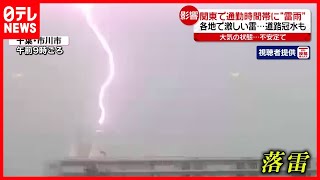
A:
167	166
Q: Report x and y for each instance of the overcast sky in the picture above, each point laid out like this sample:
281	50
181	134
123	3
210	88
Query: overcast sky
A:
170	96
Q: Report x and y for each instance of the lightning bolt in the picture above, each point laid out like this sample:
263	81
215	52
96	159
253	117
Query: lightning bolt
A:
86	10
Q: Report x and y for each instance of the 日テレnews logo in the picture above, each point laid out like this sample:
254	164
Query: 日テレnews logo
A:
14	23
20	19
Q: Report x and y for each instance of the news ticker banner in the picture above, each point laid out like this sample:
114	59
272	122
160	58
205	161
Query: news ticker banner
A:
248	24
45	45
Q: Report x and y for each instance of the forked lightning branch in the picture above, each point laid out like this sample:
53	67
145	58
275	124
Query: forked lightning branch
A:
45	45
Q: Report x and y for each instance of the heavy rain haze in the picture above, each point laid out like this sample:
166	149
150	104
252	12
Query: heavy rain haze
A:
170	95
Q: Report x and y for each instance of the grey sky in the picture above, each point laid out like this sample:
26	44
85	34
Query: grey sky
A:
171	96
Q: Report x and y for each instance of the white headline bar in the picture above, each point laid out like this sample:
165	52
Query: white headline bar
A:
253	21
